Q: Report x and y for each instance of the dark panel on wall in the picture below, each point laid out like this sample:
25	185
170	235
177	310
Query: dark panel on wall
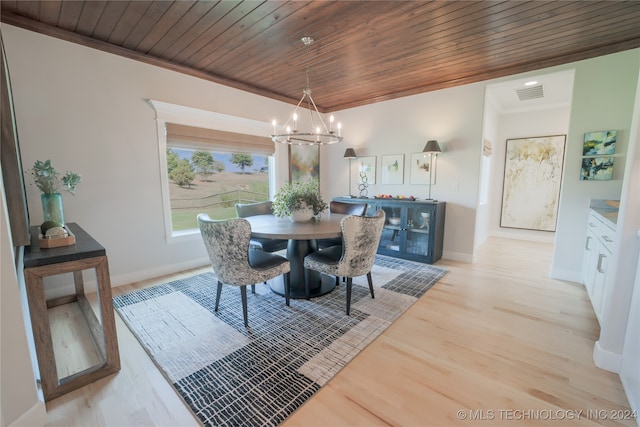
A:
12	164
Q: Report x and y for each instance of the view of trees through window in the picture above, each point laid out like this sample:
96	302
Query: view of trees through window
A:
213	182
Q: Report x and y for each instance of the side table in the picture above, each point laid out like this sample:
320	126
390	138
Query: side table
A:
39	263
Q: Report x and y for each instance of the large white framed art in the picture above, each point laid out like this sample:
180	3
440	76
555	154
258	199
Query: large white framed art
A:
532	178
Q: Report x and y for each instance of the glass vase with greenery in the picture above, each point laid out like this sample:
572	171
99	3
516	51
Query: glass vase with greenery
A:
48	180
298	195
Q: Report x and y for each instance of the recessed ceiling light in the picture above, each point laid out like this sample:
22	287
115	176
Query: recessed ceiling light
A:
531	83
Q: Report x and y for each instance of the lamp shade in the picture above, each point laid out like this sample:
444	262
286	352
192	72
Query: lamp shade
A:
350	153
432	147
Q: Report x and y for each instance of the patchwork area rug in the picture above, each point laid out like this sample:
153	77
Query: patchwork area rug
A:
230	375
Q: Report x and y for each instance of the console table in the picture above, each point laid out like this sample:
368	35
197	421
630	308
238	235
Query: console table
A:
85	254
414	229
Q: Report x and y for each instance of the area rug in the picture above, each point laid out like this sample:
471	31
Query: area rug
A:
230	375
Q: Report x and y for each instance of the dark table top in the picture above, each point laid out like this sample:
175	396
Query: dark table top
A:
85	247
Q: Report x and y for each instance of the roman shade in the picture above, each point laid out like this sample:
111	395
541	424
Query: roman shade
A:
217	140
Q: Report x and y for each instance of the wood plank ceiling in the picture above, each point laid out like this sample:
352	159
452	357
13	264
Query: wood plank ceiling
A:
364	51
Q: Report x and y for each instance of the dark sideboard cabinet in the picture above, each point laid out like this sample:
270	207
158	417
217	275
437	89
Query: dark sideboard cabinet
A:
414	229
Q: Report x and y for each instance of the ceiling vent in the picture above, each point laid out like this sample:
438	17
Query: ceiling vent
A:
529	93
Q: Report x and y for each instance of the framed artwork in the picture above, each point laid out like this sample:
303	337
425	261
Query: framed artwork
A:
596	169
596	165
392	169
420	172
599	143
532	177
304	162
367	165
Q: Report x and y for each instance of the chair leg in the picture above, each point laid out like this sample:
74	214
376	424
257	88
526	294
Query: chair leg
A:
243	295
349	284
287	287
337	280
219	291
370	284
253	289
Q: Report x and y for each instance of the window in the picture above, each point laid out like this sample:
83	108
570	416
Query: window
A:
212	182
208	163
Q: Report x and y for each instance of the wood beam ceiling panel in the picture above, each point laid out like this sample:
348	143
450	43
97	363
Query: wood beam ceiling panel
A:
50	11
364	51
175	13
130	19
91	13
173	31
222	21
249	43
109	18
147	23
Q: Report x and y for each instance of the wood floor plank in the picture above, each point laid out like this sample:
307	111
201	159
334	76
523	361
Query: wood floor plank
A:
496	342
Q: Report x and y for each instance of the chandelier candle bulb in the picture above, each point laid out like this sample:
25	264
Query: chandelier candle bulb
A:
331	119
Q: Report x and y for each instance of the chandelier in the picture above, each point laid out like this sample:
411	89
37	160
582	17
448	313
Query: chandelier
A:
307	130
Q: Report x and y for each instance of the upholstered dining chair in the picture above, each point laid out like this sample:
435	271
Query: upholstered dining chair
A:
260	208
356	255
227	243
335	206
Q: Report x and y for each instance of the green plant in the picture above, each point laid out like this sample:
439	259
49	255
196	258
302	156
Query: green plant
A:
292	196
48	180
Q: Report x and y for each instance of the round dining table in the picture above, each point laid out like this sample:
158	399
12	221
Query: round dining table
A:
302	237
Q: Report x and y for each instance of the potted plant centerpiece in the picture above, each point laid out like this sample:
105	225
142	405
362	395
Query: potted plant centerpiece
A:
300	201
48	180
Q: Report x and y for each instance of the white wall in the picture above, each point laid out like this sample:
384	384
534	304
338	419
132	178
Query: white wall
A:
453	117
603	99
19	402
491	122
615	320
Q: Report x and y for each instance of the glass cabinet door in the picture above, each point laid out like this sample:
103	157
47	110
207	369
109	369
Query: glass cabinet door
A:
418	224
391	238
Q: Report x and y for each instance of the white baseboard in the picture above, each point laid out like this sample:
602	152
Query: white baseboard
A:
161	270
36	416
607	360
459	256
531	236
568	275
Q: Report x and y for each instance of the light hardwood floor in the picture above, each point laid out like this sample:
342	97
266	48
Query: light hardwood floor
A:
495	342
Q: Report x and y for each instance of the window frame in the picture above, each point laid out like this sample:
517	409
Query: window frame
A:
178	114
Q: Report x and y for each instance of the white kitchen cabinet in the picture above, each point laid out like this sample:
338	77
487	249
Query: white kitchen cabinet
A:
597	254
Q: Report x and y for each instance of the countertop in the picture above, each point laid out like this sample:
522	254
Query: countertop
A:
608	209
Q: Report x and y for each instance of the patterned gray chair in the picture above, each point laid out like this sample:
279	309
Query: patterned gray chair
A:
261	208
335	206
227	243
355	257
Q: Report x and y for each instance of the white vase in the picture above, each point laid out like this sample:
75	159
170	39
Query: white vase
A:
302	215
